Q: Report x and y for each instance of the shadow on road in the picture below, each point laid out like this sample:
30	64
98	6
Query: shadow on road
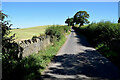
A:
81	39
88	63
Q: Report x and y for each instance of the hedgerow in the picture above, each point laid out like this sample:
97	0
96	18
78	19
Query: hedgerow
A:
56	32
101	35
102	32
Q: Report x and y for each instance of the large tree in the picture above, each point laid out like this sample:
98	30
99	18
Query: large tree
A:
69	21
81	17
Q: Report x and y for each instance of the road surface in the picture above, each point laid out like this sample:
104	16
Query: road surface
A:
77	60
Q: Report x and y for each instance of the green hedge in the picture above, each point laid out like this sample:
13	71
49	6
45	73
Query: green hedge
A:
100	35
56	32
102	32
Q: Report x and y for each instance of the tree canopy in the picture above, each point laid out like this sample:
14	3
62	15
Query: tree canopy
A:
69	21
81	17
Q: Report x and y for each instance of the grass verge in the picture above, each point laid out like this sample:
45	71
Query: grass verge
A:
45	56
30	68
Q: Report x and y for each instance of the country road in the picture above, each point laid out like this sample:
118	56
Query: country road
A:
77	60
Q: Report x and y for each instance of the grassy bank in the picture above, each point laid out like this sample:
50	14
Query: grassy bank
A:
44	57
40	61
30	68
28	33
101	35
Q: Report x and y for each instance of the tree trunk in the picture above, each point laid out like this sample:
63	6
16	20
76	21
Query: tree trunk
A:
81	24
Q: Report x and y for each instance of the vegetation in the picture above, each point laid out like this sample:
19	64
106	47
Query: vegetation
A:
101	35
76	25
56	33
69	21
102	32
28	68
9	48
28	33
81	17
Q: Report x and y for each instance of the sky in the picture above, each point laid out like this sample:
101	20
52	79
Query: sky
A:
60	0
30	14
119	9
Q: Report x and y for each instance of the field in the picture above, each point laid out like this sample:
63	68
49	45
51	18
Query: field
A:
28	33
77	25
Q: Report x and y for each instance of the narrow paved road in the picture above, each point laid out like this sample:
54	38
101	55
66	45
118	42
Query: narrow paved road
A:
77	60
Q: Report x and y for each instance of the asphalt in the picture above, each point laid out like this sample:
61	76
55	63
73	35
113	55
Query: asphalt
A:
77	60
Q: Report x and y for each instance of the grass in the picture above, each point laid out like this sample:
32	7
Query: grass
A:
31	67
40	60
48	54
77	25
28	33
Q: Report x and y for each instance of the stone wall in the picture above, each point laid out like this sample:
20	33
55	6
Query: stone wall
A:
28	47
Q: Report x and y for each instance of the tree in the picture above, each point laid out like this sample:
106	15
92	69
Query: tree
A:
119	20
10	49
69	21
81	17
7	42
